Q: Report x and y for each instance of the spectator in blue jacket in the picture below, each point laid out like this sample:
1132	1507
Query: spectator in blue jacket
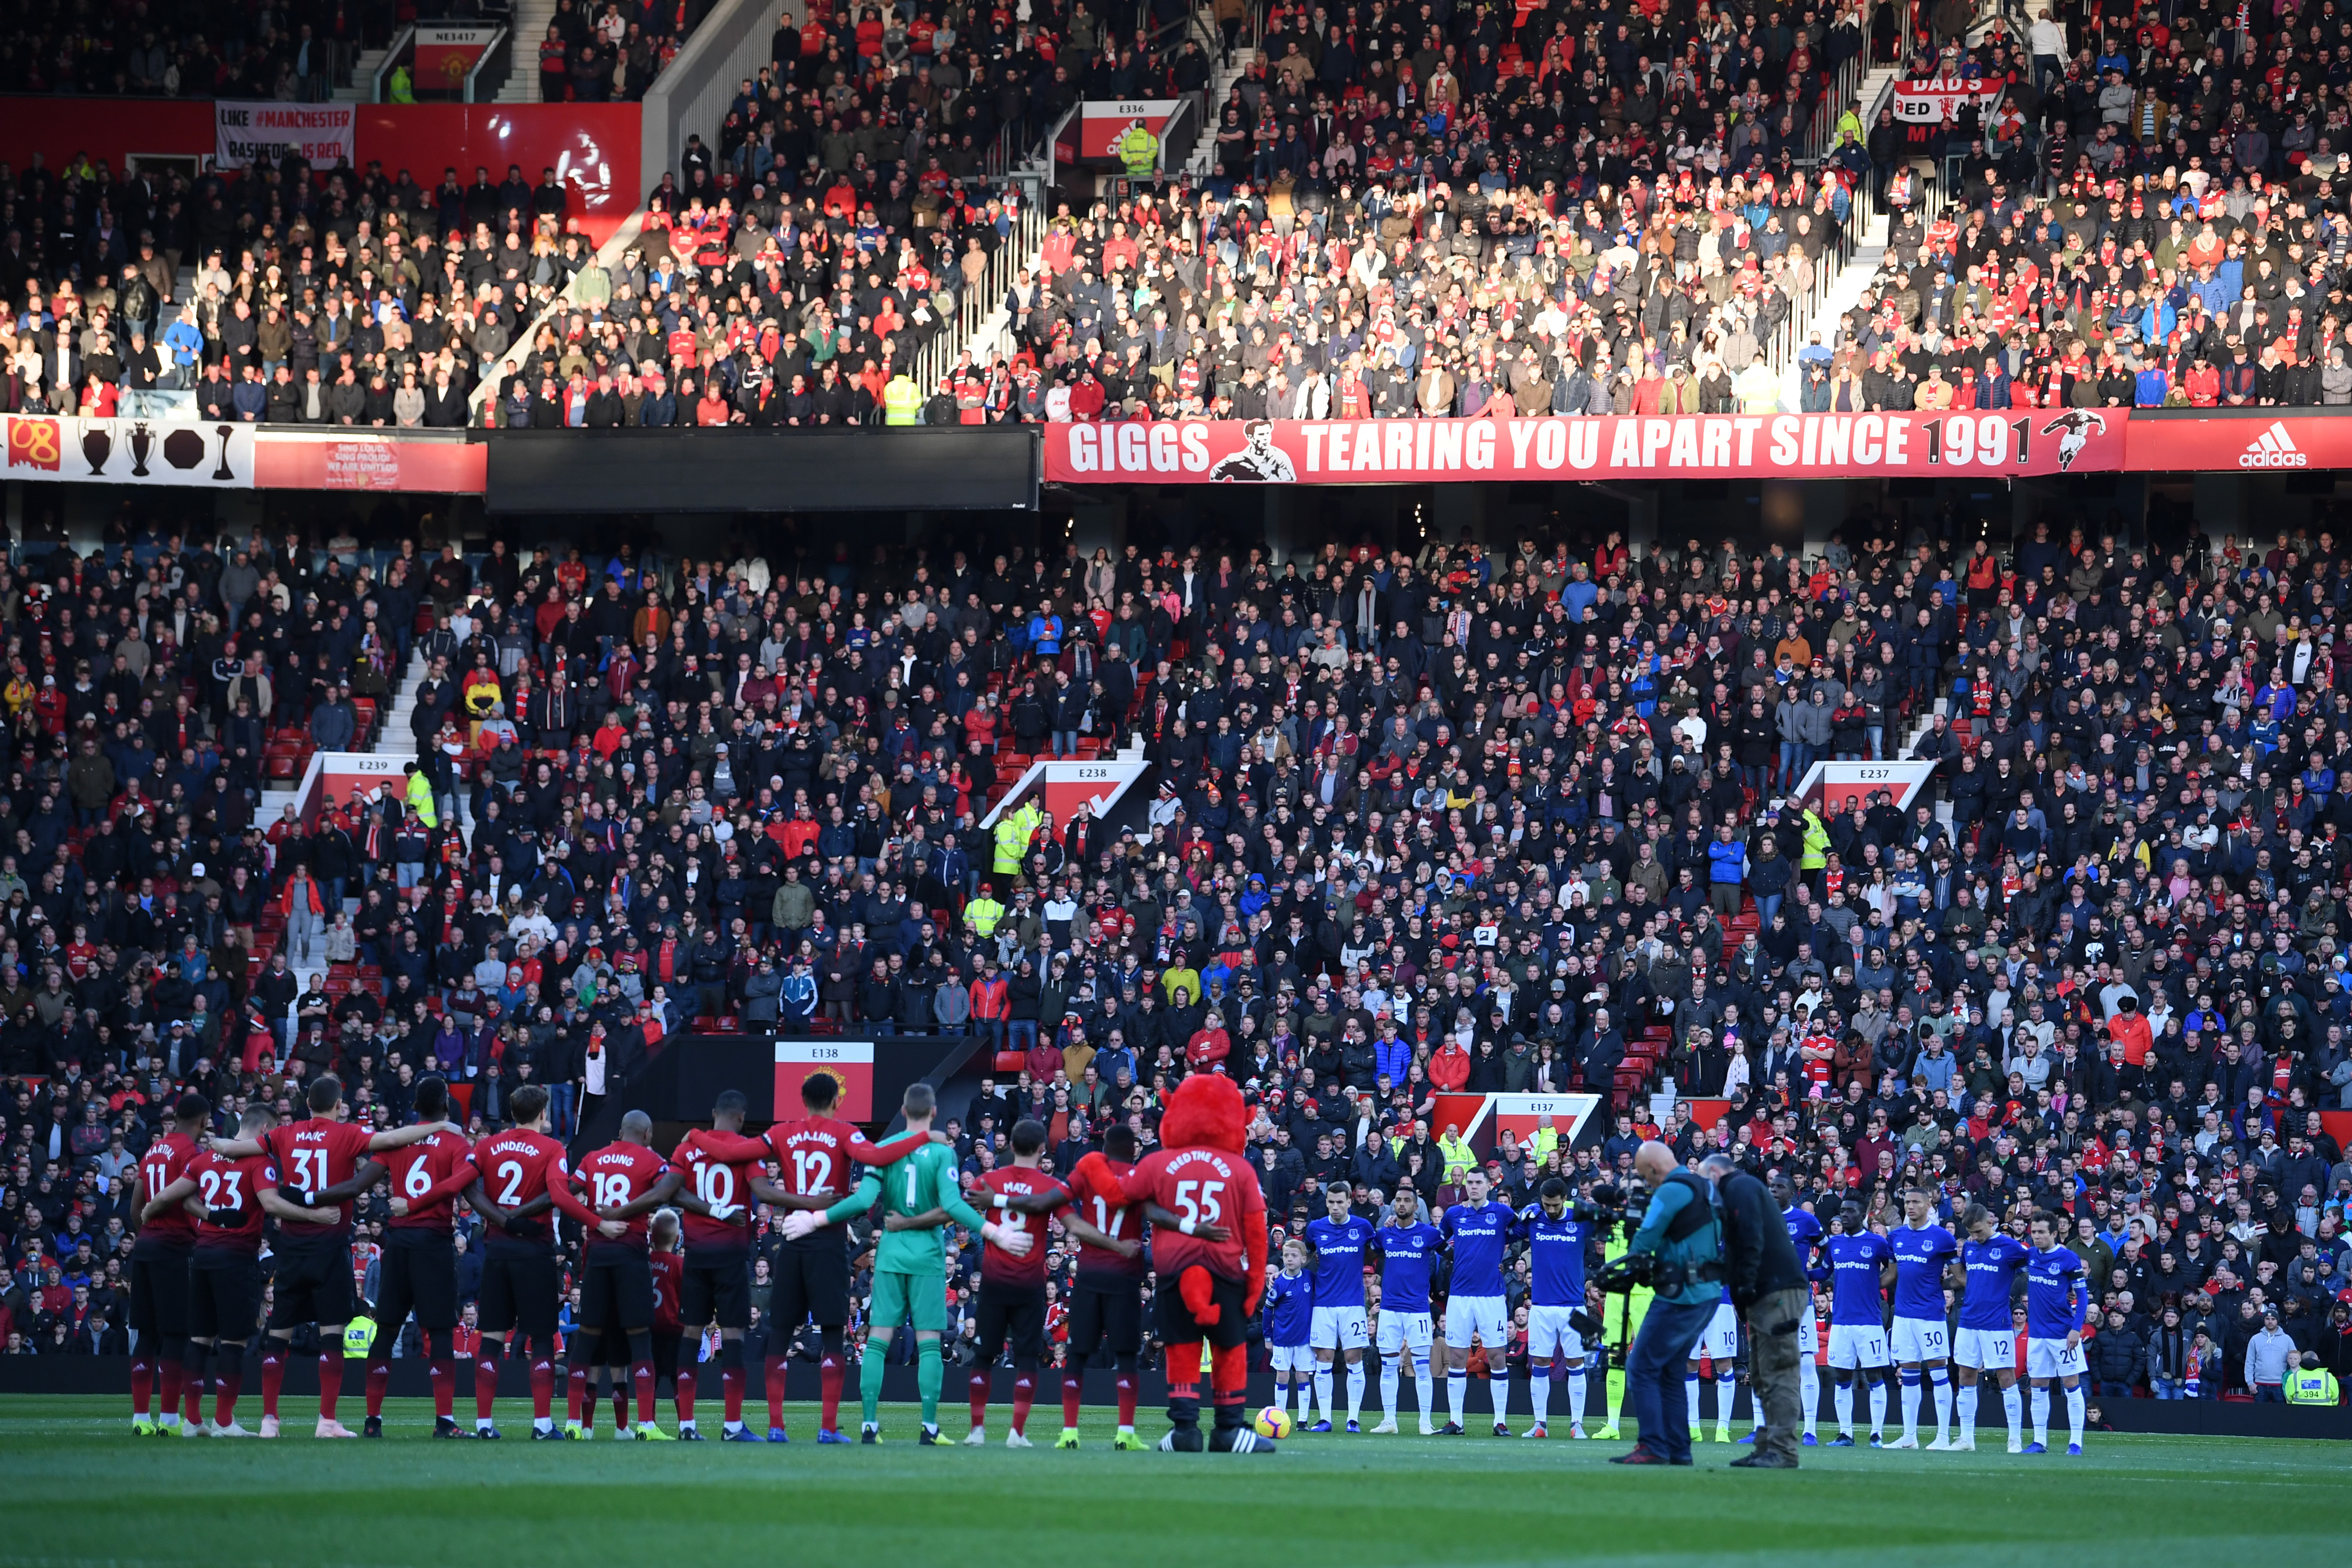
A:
1727	870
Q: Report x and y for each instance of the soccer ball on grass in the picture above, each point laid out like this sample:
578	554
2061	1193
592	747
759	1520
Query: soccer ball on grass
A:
1272	1422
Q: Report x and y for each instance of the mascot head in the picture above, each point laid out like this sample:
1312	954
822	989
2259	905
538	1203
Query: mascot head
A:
1206	1112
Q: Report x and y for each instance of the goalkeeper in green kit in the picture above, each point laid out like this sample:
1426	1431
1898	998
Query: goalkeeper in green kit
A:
909	1261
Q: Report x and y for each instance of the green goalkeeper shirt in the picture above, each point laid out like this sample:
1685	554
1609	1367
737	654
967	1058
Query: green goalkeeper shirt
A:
923	1180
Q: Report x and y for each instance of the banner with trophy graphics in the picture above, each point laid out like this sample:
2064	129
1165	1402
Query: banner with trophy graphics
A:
191	454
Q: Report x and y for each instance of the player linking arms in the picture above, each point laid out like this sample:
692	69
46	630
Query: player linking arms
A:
909	1266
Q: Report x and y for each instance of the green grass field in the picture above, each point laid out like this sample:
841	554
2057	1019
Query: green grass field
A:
84	1491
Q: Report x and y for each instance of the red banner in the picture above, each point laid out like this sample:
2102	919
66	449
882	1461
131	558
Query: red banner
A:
357	461
2009	443
2255	442
591	147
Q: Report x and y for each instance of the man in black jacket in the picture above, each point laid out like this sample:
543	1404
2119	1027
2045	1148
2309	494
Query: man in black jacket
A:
1768	1285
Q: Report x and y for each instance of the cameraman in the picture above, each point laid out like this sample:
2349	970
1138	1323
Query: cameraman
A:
1768	1285
1682	1238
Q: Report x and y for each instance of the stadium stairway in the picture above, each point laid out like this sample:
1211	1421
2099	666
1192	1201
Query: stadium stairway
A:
530	20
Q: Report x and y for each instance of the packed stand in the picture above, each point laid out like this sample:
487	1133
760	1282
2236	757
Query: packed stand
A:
1543	212
287	295
1453	821
2151	216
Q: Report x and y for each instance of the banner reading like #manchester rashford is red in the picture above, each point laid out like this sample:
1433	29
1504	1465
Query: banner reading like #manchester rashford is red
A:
2007	443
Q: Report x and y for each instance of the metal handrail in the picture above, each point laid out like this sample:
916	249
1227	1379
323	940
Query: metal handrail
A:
481	87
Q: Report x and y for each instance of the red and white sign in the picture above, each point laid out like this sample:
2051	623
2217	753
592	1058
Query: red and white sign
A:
1062	785
1522	1115
1937	101
2010	442
445	54
1101	122
849	1063
1830	787
322	134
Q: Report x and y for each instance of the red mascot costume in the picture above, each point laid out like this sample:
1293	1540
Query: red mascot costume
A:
1208	1236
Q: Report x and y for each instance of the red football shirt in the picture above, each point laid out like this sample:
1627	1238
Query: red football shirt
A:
232	1186
418	1170
315	1154
719	1167
816	1156
165	1162
616	1174
668	1268
517	1167
995	1263
1207	1185
1095	1191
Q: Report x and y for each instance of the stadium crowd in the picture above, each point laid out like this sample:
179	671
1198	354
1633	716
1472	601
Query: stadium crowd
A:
1443	821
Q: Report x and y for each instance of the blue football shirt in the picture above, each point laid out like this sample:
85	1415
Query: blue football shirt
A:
1479	1234
1338	1247
1922	1256
1408	1257
1856	1263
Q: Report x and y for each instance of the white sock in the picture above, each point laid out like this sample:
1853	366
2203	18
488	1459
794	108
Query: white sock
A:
1877	1409
543	1424
1424	1386
1727	1394
1690	1397
1539	1391
1306	1402
1457	1389
1576	1399
1809	1390
2013	1405
2042	1416
1389	1377
1355	1390
1844	1397
686	1426
1941	1381
482	1423
1323	1388
1968	1410
1911	1404
2074	1412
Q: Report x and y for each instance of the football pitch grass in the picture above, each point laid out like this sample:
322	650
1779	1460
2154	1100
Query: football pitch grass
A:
82	1490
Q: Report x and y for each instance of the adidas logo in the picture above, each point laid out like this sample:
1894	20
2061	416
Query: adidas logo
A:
2276	449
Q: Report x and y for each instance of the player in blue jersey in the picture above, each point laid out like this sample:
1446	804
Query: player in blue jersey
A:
1477	1229
1338	1243
1409	1250
1805	1231
2057	1304
1986	1339
1860	1262
1556	1242
1288	1318
1926	1260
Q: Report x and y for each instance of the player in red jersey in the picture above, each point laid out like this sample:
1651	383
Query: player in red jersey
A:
625	1182
229	1196
721	1167
323	1161
1106	1302
159	1271
817	1159
1013	1288
667	1260
419	1270
518	1172
1208	1241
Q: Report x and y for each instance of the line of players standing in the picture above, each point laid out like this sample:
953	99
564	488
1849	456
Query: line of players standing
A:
1316	1322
